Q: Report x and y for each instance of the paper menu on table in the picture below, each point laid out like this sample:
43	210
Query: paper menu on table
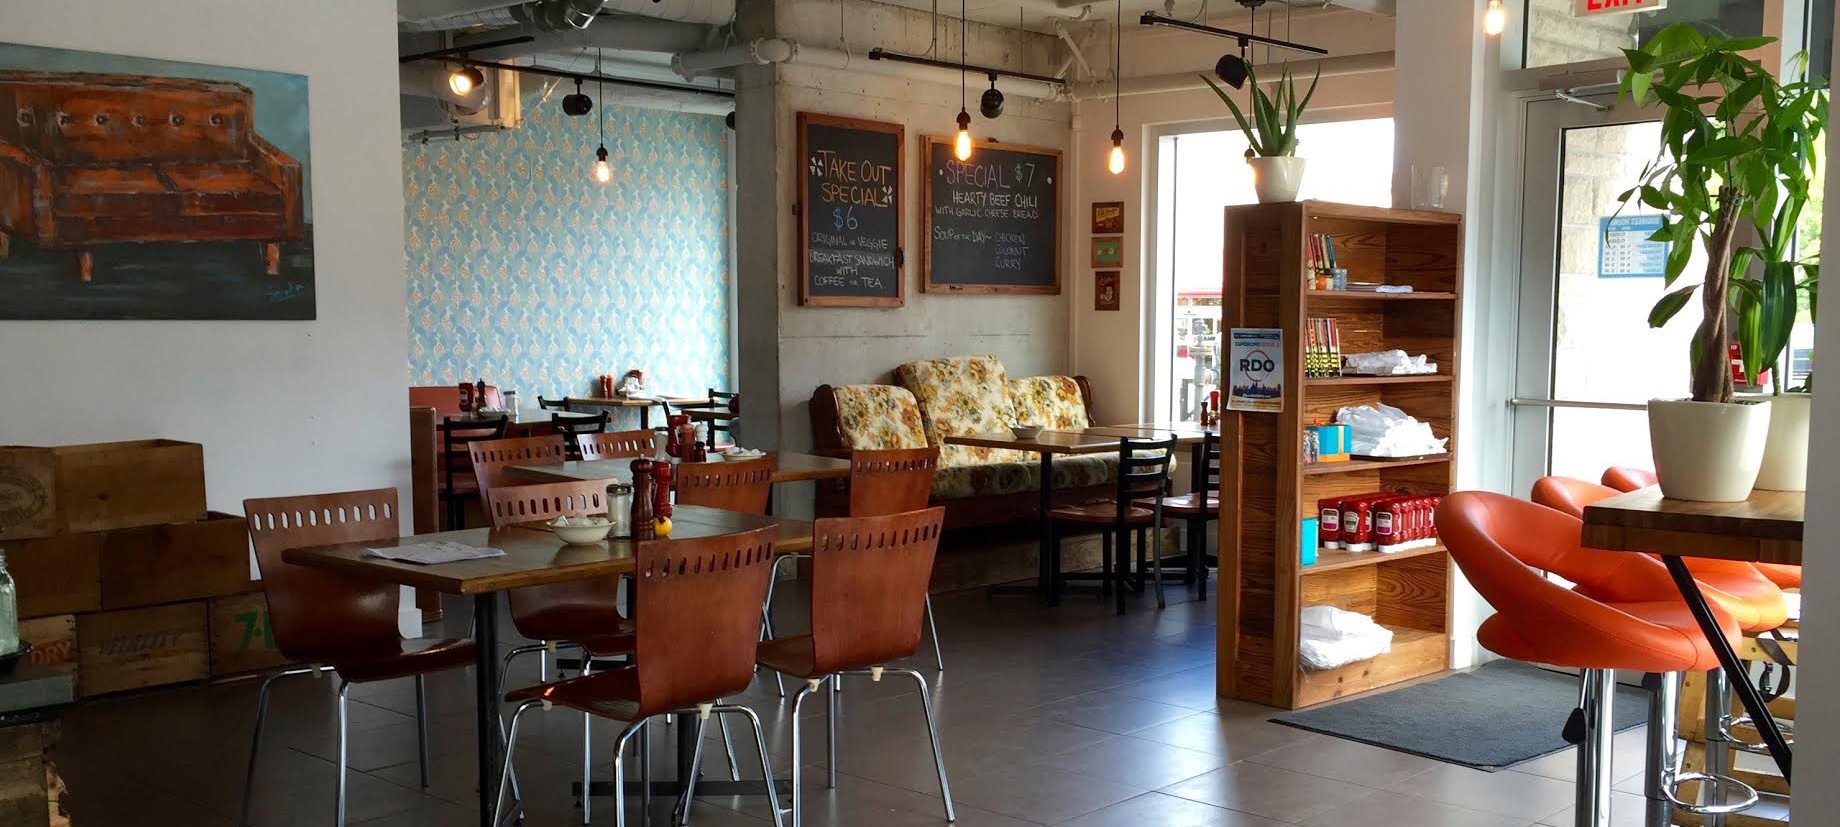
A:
440	551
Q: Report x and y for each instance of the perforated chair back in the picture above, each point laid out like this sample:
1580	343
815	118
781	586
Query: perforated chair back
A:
319	615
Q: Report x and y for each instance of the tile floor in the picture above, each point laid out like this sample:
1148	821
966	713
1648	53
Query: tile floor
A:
1064	716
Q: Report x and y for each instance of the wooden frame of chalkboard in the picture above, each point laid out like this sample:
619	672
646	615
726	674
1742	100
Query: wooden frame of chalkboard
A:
928	284
809	294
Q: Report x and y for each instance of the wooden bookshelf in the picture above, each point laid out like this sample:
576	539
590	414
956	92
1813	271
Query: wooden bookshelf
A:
1269	491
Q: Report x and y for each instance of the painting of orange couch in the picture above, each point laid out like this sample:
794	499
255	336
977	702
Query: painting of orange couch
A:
144	195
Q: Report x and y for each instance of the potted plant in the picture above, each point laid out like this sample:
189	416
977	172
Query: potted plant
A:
1277	172
1736	145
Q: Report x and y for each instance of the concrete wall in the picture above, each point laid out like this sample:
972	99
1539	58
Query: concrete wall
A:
281	407
1110	346
806	347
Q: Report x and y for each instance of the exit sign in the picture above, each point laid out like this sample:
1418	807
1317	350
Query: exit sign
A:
1590	8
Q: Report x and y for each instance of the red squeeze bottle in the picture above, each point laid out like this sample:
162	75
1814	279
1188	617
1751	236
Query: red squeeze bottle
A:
1386	525
1357	525
466	397
661	489
1329	522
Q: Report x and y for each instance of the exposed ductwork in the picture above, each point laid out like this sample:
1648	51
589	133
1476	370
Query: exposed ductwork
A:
558	15
1186	81
691	65
635	34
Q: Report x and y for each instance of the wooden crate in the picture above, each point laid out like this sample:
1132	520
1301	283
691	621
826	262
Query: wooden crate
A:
57	575
76	488
24	780
138	648
54	642
170	563
241	640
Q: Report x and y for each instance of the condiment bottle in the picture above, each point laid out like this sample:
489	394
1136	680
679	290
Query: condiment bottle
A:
642	516
479	395
9	611
619	508
661	480
466	397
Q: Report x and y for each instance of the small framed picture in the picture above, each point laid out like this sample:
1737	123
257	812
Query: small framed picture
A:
1108	252
1105	290
1108	217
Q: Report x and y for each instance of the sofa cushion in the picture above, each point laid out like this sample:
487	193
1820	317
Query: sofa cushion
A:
878	417
1053	402
962	395
993	478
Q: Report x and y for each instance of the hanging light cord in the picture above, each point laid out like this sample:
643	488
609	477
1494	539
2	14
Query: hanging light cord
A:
962	28
600	94
1118	68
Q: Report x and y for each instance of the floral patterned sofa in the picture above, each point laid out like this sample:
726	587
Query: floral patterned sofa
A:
937	398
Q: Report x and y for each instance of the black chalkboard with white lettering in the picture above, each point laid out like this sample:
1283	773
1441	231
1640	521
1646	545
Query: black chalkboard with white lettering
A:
992	222
850	212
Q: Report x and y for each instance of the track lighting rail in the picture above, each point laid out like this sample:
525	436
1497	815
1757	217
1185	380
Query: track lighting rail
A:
1154	19
879	53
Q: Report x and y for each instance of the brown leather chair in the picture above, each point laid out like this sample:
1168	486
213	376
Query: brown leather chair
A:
893	481
695	602
1197	508
492	458
614	444
732	485
347	623
869	577
1136	505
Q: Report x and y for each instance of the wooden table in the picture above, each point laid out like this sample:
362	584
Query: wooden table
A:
528	422
534	557
644	404
787	467
1093	440
1767	528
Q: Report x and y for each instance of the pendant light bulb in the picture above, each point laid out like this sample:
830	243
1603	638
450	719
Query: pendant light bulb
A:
603	171
1115	162
1495	19
961	148
463	80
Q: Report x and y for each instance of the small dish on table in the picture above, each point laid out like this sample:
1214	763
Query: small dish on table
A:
580	531
1025	431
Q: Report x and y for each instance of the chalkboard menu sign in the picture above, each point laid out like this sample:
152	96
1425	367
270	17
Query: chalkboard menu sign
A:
993	222
850	212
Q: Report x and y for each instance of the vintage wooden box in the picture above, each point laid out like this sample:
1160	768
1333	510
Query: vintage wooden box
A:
241	640
25	796
54	642
76	488
138	648
169	563
56	575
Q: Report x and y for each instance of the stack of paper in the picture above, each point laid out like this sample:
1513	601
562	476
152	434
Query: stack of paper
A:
434	553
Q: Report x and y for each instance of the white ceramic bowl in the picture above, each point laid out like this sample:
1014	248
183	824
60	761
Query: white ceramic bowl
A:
582	530
1025	431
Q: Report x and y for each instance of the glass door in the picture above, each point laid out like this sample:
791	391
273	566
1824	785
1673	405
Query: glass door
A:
1588	361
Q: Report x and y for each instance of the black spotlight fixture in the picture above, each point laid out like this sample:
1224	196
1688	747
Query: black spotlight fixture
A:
463	80
729	120
1233	68
578	104
991	104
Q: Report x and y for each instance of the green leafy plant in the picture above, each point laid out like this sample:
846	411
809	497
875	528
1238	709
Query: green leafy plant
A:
1272	131
1736	145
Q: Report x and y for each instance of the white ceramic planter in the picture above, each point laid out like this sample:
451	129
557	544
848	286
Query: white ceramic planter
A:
1785	453
1708	451
1276	179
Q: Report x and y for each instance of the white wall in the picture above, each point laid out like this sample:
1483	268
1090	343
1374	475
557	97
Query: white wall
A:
281	407
1109	347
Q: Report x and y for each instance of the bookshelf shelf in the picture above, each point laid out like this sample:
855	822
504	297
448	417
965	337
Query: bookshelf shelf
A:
1264	586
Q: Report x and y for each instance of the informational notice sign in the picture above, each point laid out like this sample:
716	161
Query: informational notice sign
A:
1593	8
1627	252
1255	369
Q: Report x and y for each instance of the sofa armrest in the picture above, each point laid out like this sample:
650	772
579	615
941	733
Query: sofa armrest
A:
20	175
1086	398
281	170
826	427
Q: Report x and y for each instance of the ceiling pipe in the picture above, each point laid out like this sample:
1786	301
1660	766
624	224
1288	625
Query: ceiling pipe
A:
1338	66
1077	54
1069	9
633	34
552	15
691	65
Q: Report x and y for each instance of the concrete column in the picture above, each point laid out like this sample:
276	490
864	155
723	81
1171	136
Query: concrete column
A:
757	235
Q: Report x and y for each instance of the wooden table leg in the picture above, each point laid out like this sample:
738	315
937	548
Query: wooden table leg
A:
485	677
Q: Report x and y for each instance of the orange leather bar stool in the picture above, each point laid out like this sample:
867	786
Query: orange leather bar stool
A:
325	617
1630	479
1618	618
868	583
696	612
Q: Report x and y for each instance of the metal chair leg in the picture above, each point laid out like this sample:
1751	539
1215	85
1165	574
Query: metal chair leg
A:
344	744
932	631
255	741
645	772
830	732
766	621
1592	802
681	813
766	764
587	750
1156	564
728	746
932	733
619	775
421	726
798	795
505	774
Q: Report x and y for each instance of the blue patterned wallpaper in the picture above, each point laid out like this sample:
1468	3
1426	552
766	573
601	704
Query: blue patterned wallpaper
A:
525	271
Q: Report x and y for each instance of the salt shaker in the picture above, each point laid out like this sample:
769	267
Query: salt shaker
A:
619	508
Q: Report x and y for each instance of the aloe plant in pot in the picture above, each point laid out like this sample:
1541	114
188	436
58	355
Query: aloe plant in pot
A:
1737	145
1277	172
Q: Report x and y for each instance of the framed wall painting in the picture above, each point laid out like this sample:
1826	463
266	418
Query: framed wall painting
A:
1108	218
1105	290
152	189
1108	252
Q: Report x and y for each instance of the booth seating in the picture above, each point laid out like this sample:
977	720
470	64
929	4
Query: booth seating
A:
959	395
445	399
